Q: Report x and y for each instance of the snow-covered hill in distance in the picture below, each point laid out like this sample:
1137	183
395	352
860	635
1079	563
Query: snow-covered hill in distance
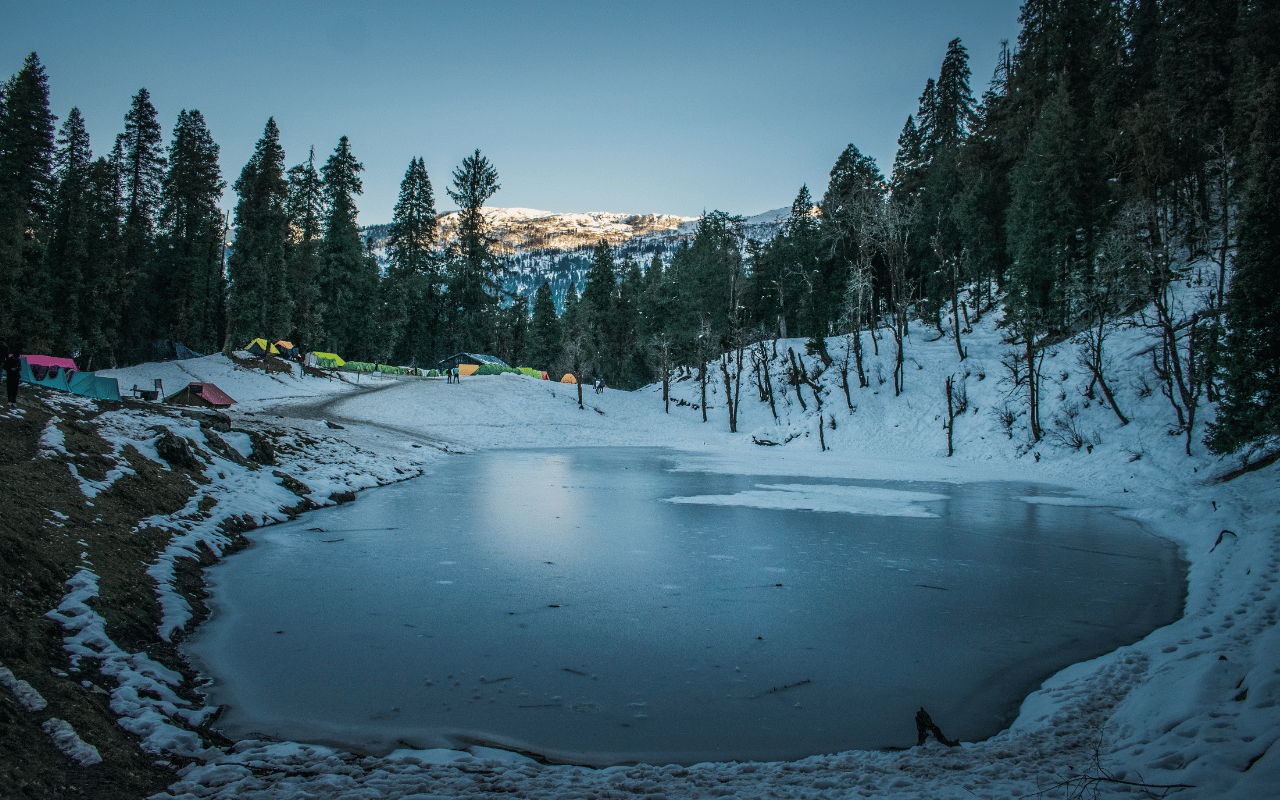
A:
557	247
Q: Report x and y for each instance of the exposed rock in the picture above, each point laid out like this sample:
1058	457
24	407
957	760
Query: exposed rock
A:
219	446
177	451
342	497
293	484
264	450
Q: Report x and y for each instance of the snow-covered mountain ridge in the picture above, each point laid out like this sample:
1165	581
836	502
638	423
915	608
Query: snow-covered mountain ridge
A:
519	230
556	247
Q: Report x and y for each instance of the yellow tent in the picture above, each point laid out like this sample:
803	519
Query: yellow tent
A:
259	347
467	369
336	359
568	378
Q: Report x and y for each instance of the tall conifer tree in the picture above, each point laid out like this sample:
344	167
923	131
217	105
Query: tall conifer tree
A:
258	297
71	237
26	187
305	209
414	273
475	270
1250	407
350	276
187	286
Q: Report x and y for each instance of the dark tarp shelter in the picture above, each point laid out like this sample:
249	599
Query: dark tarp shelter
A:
470	358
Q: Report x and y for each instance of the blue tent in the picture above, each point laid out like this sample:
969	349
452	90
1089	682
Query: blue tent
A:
68	380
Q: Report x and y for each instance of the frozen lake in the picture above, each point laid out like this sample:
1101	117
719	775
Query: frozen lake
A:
595	606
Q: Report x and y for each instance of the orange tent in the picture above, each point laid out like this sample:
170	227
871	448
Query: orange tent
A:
568	378
467	369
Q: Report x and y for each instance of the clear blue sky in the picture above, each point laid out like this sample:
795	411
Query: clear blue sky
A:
636	107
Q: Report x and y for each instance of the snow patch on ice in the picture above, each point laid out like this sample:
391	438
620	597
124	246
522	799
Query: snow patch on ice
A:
1051	500
819	497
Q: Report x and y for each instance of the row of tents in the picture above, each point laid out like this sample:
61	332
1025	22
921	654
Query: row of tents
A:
464	363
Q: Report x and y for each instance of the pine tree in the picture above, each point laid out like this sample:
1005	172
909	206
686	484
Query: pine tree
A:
854	193
633	370
305	208
598	311
954	101
1250	406
258	297
415	266
350	282
1047	222
908	163
983	165
186	285
544	334
26	188
474	269
71	234
798	265
412	237
142	172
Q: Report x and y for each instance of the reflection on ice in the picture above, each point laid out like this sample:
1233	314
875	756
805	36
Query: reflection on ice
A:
824	497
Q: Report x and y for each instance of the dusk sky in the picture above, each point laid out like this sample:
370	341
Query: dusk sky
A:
650	107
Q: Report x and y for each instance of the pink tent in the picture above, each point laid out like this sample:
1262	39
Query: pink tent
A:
50	361
212	393
200	394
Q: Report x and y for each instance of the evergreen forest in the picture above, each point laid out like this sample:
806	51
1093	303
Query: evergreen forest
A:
1121	166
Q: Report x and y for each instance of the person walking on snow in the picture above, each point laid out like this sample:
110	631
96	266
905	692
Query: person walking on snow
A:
13	370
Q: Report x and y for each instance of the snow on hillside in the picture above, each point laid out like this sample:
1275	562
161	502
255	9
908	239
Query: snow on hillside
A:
1193	704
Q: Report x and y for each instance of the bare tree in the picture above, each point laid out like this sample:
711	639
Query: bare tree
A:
854	313
660	348
704	349
892	232
1175	358
951	266
731	370
1102	295
760	364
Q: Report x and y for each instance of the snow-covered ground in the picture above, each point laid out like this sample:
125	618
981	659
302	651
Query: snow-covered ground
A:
1194	704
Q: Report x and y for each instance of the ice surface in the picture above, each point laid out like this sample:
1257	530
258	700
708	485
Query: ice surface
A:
551	601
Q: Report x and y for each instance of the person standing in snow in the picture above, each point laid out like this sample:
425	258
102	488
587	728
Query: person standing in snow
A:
12	370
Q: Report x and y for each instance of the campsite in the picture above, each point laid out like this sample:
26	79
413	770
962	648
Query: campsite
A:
813	401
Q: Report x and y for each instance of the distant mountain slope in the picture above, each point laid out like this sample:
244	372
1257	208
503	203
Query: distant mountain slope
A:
546	246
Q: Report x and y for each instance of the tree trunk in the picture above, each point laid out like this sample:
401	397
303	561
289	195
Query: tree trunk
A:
702	383
728	393
951	417
1033	390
